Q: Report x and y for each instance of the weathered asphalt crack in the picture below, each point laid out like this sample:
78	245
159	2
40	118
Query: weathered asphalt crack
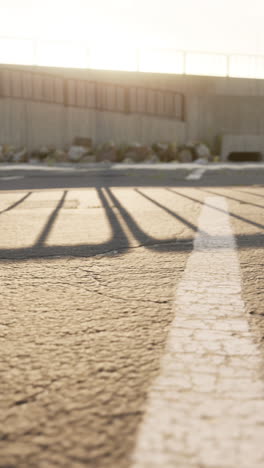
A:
127	298
148	244
31	398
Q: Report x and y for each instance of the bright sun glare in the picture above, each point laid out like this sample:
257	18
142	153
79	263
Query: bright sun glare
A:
205	37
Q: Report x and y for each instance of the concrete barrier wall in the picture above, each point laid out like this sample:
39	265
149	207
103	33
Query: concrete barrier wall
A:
213	106
187	84
105	126
242	143
210	116
33	124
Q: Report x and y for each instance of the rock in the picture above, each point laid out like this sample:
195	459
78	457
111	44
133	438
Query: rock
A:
201	161
34	155
43	151
20	156
89	158
106	152
2	157
153	159
66	148
76	153
135	145
50	160
138	152
59	155
33	160
160	148
132	156
106	163
166	151
128	161
52	148
121	152
108	156
185	155
9	152
172	152
83	141
202	151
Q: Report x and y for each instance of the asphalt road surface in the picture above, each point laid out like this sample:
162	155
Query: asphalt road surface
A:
132	317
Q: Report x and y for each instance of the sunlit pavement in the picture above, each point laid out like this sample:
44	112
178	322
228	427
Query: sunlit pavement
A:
132	310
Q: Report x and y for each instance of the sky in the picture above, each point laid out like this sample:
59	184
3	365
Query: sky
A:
225	26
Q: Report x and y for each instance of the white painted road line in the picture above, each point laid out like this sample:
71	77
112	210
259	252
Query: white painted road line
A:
206	407
12	178
197	174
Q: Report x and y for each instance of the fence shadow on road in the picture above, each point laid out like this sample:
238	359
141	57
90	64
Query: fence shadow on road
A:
14	205
243	241
47	228
233	215
255	194
115	211
243	202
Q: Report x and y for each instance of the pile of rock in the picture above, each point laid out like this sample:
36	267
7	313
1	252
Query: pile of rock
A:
197	151
203	153
106	152
137	153
10	153
166	152
82	150
125	152
47	154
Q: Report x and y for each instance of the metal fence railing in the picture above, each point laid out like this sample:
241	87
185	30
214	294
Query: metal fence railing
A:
61	53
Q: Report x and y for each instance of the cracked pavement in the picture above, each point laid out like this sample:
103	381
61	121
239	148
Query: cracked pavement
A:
89	270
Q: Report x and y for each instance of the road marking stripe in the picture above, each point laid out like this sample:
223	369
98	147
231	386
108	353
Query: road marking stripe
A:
12	178
197	174
206	407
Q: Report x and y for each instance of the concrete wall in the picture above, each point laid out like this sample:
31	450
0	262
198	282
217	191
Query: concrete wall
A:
187	84
242	143
213	106
210	116
33	124
105	126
